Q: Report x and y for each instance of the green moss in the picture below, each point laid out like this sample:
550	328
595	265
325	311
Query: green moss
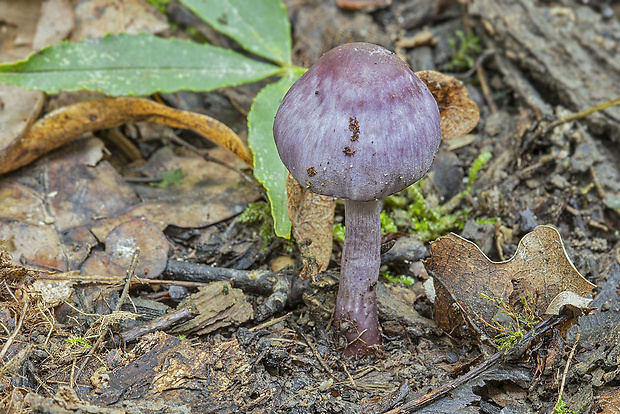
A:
259	212
560	407
511	333
394	278
387	224
77	340
159	4
170	178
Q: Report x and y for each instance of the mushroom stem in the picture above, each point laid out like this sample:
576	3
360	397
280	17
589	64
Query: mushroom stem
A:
356	304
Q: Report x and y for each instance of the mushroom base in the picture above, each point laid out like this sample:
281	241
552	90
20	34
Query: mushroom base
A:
356	304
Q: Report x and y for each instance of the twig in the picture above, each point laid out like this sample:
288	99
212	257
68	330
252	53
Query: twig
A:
444	390
348	374
11	338
486	91
269	323
121	300
584	113
499	237
318	357
570	357
162	323
115	280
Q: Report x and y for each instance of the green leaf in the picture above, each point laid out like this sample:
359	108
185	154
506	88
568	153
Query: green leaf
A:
134	65
259	26
268	168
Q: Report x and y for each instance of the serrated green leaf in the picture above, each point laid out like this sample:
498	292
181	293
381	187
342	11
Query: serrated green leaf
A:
259	26
268	168
134	65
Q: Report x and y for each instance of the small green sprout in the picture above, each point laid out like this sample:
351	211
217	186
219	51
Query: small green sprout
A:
560	407
487	220
480	161
464	54
77	340
339	232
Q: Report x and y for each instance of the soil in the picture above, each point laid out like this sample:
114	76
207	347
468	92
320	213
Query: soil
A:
260	339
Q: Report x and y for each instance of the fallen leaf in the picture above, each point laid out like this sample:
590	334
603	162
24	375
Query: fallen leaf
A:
67	123
567	298
459	113
96	18
55	23
37	245
539	271
18	110
52	211
312	216
120	246
208	194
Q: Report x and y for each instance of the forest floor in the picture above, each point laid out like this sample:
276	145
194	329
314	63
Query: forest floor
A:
525	63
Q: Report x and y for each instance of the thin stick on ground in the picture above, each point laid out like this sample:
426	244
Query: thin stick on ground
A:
130	274
584	113
568	361
444	390
11	338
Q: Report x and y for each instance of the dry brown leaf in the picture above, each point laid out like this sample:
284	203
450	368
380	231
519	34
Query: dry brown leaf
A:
539	271
55	23
312	216
459	113
96	18
67	123
120	246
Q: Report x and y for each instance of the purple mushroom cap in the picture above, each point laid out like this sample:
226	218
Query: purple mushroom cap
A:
359	124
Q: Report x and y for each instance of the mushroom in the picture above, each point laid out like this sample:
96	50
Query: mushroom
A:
358	125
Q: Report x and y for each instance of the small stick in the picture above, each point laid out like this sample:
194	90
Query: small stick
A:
498	240
162	323
348	374
121	300
570	357
318	356
584	113
444	390
11	338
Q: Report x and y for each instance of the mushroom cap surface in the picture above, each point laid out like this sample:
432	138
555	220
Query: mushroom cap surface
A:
358	124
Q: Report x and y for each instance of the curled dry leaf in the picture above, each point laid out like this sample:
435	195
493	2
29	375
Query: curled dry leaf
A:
312	216
459	113
538	272
67	123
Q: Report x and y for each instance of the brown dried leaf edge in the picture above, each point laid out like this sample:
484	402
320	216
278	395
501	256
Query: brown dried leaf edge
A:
67	123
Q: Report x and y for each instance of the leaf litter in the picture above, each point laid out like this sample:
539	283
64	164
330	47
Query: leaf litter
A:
273	351
540	273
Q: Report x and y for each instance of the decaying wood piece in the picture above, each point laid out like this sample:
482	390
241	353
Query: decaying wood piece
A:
170	374
65	401
568	53
161	323
215	306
